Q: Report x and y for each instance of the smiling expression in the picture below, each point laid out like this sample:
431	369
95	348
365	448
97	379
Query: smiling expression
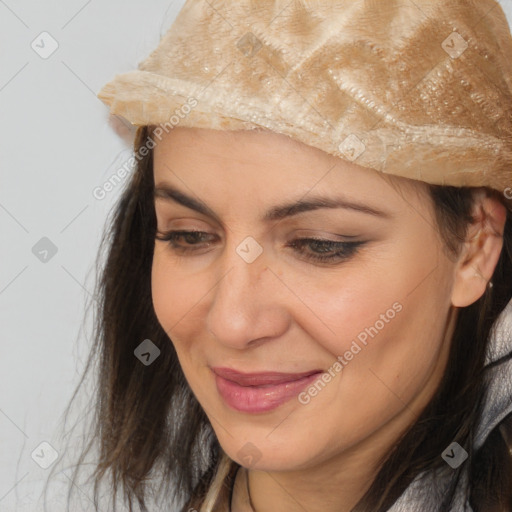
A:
253	293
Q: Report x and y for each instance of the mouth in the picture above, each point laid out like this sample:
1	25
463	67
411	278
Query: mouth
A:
260	392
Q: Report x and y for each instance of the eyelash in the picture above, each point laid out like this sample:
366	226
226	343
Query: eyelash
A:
344	252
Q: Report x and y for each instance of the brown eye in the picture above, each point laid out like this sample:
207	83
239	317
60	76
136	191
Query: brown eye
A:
325	250
311	249
192	238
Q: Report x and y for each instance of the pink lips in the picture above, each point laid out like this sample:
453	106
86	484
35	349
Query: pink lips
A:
260	392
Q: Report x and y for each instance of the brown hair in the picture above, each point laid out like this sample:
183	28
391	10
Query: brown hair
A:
148	424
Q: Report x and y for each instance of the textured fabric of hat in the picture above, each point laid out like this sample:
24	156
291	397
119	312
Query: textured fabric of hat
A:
419	89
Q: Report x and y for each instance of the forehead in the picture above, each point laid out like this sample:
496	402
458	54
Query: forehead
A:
271	159
184	137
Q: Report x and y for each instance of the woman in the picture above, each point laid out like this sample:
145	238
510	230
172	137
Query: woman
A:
302	295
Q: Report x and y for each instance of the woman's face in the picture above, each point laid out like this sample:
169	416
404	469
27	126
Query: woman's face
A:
249	295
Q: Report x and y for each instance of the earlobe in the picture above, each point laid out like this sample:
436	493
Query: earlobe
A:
481	252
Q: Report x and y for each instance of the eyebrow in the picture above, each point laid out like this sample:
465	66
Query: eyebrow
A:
168	192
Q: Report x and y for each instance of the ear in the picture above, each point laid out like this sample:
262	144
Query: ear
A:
482	248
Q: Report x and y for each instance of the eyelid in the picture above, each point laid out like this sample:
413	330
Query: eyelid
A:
320	234
175	211
312	234
339	251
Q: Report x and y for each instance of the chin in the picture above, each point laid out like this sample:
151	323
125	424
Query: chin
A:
259	453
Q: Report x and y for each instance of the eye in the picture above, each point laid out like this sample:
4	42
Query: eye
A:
191	238
322	250
317	249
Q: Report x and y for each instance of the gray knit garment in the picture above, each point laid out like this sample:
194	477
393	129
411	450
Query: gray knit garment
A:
426	494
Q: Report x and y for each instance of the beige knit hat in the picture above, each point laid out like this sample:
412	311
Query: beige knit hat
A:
414	88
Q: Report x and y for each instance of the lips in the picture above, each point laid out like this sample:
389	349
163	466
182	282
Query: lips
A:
262	378
260	392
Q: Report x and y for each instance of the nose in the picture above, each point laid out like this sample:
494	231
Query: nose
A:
248	303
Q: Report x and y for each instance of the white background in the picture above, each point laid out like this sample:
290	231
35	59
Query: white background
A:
56	147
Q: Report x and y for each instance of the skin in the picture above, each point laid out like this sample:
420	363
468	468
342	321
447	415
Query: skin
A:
284	313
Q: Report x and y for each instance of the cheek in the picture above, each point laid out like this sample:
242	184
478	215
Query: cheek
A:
388	314
386	343
174	296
